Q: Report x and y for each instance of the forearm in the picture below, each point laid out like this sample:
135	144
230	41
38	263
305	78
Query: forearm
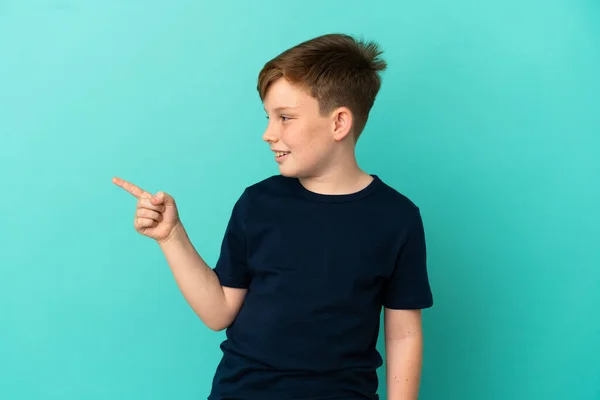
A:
198	283
403	365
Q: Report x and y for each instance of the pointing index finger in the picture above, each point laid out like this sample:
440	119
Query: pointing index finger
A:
131	188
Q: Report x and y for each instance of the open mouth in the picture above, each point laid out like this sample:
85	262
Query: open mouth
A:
279	155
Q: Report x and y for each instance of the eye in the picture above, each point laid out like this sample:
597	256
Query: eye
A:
284	118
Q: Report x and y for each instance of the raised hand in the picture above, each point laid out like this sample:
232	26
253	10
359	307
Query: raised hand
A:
156	215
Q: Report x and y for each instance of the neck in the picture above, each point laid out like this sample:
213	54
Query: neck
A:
343	176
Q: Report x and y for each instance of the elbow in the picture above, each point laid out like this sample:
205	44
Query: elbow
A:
218	325
218	319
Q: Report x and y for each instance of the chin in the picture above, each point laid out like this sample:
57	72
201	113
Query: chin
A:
288	174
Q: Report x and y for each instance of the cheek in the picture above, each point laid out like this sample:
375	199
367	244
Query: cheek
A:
294	137
308	143
303	136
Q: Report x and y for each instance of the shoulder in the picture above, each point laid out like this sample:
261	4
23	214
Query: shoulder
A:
395	203
397	214
272	186
271	182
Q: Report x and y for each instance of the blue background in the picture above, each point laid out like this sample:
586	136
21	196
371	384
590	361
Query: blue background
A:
488	119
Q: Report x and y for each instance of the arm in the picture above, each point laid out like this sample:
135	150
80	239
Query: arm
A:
404	353
217	306
157	218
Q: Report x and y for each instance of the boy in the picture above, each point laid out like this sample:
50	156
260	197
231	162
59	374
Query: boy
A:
309	256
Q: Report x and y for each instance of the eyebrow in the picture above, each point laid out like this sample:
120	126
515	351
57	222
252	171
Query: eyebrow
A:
279	109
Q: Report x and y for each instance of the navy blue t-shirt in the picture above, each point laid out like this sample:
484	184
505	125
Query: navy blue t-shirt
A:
318	269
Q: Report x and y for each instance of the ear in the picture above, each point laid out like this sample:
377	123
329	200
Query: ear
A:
341	122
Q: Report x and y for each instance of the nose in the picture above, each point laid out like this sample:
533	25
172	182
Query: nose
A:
270	135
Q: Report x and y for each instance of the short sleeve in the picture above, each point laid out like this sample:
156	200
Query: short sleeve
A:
231	267
408	287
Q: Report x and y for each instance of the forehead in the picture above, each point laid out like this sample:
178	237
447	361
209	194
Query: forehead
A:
282	94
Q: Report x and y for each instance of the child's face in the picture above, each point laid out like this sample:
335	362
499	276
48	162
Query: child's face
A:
297	128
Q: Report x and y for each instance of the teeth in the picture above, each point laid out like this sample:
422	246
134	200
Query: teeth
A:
281	153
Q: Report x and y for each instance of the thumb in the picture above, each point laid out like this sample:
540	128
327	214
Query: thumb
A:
161	198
